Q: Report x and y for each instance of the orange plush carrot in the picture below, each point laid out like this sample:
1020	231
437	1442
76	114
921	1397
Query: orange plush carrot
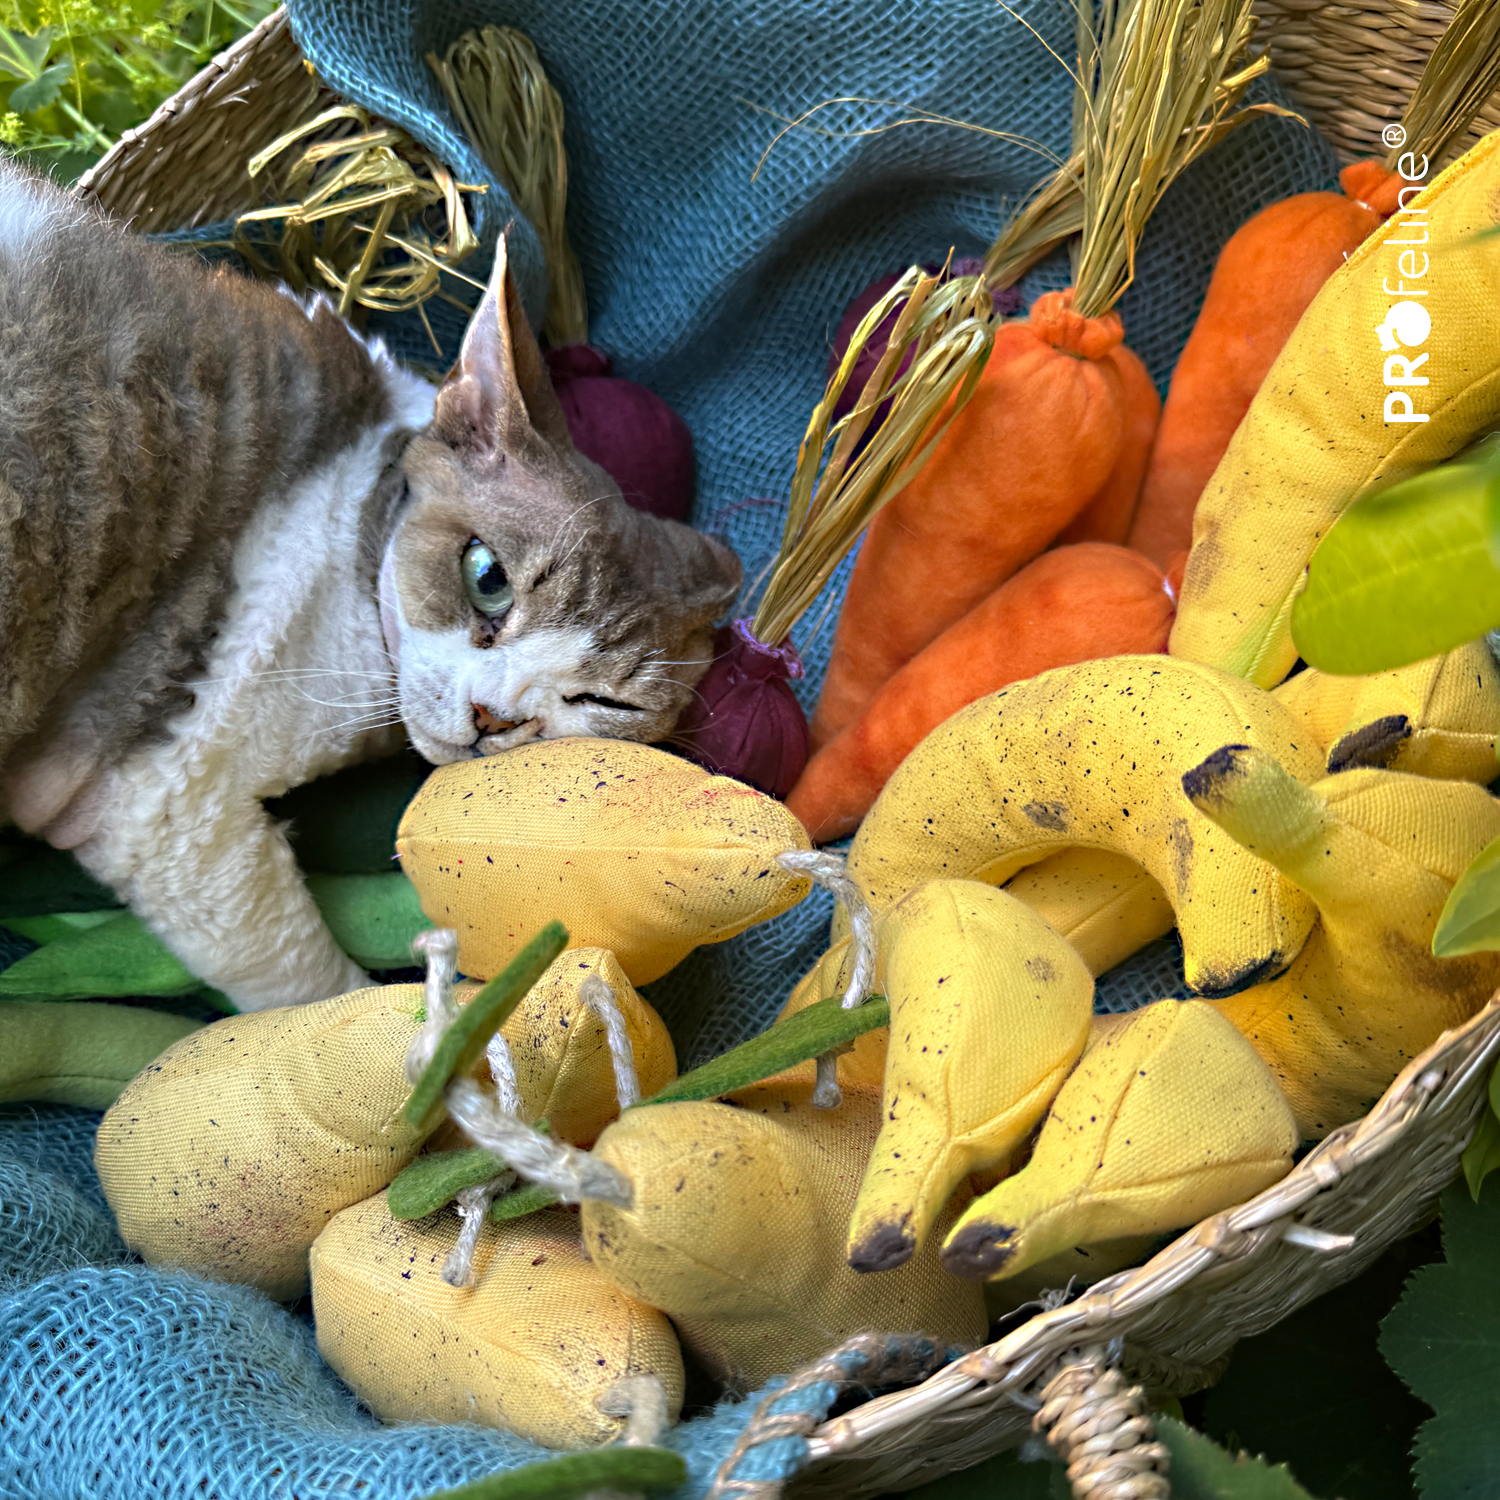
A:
1038	439
1070	604
1267	274
1107	517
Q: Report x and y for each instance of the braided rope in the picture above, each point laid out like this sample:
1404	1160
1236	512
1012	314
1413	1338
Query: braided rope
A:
1099	1425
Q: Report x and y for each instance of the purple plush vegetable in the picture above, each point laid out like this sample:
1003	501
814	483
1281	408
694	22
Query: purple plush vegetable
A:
630	432
745	721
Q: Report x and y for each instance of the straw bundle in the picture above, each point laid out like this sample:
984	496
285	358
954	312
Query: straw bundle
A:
949	327
512	115
1459	80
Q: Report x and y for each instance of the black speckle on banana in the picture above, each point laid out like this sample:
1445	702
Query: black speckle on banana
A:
1092	755
990	1009
1168	1117
1378	851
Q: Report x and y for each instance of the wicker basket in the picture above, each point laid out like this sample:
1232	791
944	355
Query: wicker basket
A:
1171	1323
1351	68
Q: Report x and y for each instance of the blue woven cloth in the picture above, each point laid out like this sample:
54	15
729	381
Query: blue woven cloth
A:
718	288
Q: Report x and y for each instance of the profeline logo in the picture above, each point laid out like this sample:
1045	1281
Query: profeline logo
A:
1407	322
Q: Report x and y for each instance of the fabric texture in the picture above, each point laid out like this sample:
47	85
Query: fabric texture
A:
718	288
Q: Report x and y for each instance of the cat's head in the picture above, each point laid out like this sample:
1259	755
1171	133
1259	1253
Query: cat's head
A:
521	596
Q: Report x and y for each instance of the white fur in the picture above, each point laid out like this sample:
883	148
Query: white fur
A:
299	683
29	218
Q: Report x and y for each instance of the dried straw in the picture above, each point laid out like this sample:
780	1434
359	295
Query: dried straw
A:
1049	217
506	104
950	327
366	213
1459	79
1157	85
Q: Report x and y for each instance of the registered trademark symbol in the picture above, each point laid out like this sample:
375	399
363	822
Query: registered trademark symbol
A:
1394	135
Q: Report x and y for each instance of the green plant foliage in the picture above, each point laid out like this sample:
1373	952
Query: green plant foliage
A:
809	1033
1407	573
1443	1339
74	74
1482	1155
1470	920
1201	1470
1314	1393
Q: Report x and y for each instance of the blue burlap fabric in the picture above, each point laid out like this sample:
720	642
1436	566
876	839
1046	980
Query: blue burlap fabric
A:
716	271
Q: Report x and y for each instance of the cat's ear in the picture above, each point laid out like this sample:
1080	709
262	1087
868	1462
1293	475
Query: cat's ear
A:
499	395
704	575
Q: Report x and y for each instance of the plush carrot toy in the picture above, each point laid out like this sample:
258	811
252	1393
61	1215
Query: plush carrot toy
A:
1071	604
1044	432
1275	264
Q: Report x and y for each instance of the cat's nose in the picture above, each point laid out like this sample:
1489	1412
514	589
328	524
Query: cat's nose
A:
486	723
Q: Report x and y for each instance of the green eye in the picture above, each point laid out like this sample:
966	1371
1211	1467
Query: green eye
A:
485	582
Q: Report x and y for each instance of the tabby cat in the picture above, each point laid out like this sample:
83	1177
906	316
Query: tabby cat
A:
240	548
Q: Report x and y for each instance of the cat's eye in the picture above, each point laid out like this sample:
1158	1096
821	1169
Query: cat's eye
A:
485	583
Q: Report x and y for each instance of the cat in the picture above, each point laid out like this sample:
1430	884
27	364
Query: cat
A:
240	547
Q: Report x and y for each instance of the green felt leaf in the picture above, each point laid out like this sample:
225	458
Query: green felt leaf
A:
1201	1470
1405	574
529	1198
1443	1339
638	1470
118	957
1482	1155
82	1055
808	1033
40	881
1313	1392
345	824
373	918
1470	920
465	1040
437	1178
63	924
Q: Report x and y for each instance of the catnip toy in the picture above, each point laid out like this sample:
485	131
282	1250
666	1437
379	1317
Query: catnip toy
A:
744	720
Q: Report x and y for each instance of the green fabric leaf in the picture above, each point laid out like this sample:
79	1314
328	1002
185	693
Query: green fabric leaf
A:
1443	1339
345	824
463	1043
44	930
1470	920
808	1033
437	1178
639	1470
1482	1155
373	918
1201	1470
42	90
39	881
520	1201
82	1055
1405	574
118	957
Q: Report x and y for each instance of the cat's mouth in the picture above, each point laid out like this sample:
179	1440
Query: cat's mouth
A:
487	724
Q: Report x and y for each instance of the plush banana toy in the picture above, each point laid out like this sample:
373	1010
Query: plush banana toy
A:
1093	755
631	848
231	1152
1349	405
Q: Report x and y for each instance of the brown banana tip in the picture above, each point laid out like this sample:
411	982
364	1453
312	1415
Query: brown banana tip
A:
1373	744
883	1249
979	1250
1202	783
1208	983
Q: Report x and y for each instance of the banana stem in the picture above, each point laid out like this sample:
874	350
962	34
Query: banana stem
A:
1263	808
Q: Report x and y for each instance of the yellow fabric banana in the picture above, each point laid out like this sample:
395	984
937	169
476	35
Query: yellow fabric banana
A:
1169	1116
1347	406
990	1009
1092	754
737	1231
1437	718
1378	851
862	1064
528	1346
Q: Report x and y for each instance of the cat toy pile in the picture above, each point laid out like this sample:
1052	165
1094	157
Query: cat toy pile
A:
773	777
